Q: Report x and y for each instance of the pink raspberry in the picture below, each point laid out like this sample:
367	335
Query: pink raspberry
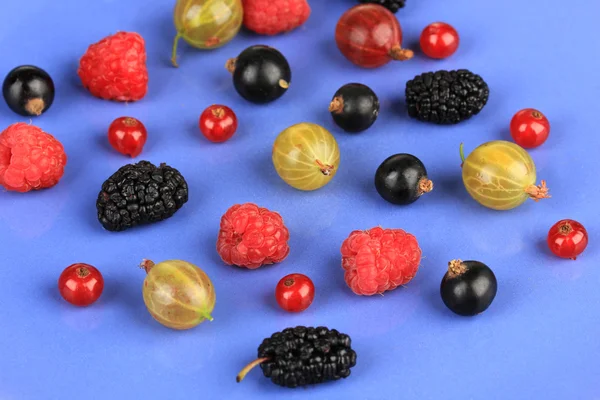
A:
270	17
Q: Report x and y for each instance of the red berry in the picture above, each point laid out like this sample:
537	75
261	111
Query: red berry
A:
252	236
439	40
127	135
567	239
80	284
270	17
115	68
295	292
218	123
370	36
529	128
379	259
30	158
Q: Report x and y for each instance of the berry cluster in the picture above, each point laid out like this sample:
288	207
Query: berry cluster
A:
500	175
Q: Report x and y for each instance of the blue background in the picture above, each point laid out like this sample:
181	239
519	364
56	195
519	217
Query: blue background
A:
539	340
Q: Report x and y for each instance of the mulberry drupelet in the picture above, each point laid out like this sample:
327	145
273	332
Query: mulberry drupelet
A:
446	97
304	356
392	5
139	194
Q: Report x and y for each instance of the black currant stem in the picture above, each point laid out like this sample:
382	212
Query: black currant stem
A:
175	43
462	153
249	367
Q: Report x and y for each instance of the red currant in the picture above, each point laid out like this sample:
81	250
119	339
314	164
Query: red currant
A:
439	40
529	128
295	292
567	239
127	135
80	284
218	123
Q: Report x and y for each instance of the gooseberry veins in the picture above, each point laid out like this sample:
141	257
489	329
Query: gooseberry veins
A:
529	128
370	36
567	239
178	294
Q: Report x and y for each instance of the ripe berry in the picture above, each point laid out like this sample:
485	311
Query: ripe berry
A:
295	292
218	123
529	128
28	90
80	284
567	239
354	107
439	40
127	135
275	16
468	288
261	74
402	179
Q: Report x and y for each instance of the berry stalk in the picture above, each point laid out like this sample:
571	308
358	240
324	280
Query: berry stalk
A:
175	44
249	368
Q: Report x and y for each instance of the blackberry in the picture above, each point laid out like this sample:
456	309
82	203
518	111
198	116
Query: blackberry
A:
304	356
140	194
446	97
392	5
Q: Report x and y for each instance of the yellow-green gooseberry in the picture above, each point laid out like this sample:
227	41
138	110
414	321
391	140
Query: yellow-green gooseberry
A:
501	175
306	156
178	294
206	24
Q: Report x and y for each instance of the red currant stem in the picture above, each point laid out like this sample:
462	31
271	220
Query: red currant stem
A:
456	268
147	265
462	154
174	53
249	367
565	228
538	193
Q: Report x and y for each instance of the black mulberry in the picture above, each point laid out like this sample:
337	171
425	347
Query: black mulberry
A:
304	356
140	194
392	5
446	97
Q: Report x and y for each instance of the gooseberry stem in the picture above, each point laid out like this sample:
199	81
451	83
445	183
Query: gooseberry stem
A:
249	367
206	316
462	153
147	265
175	43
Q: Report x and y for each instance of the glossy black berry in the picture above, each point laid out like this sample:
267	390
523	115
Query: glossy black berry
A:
354	107
469	287
402	179
261	74
139	194
28	90
446	97
392	5
303	356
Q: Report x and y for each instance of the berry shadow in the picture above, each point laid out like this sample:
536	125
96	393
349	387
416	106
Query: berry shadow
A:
51	291
102	143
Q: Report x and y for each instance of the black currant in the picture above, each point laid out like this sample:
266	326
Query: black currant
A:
261	74
469	287
28	90
402	179
354	107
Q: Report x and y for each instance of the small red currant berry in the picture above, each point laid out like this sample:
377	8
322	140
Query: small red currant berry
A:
127	135
439	40
295	292
529	128
218	123
80	284
567	239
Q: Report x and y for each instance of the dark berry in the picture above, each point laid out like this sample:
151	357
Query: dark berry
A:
402	179
354	107
469	287
140	194
446	97
261	74
28	90
392	5
303	356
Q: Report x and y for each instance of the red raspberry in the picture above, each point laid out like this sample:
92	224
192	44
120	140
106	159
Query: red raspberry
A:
379	259
30	158
270	17
115	68
252	236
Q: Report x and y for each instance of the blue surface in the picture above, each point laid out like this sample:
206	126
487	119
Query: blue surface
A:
539	340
